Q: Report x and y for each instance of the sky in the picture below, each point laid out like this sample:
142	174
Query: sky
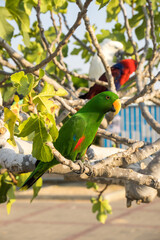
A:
96	17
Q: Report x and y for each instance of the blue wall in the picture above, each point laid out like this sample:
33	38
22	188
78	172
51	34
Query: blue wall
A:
133	125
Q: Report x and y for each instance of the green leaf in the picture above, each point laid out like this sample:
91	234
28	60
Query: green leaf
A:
58	3
34	53
37	124
6	29
95	207
41	73
92	185
4	187
26	38
61	92
11	199
23	86
140	2
8	93
101	217
113	9
102	207
51	124
10	119
104	34
38	143
36	188
107	206
65	51
19	15
46	5
29	4
102	3
76	51
46	153
42	100
23	83
16	77
28	126
140	31
134	21
22	178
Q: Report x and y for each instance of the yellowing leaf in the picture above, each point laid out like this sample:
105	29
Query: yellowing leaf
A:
16	98
16	77
10	119
11	197
36	188
61	92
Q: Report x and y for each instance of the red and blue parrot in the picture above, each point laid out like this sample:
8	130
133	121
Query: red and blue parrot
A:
121	72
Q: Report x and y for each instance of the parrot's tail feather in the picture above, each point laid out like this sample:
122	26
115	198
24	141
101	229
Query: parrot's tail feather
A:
30	182
41	168
35	175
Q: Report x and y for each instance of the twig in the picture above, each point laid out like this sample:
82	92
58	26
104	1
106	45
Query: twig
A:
115	138
7	64
102	191
142	93
129	31
25	64
89	28
58	33
64	104
154	40
77	39
64	41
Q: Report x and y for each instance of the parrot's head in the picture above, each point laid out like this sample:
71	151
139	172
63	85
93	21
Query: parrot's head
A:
107	101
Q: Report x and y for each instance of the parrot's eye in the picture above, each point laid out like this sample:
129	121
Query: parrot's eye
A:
107	97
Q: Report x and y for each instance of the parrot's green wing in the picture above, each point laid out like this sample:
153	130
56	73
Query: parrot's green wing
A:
68	144
71	137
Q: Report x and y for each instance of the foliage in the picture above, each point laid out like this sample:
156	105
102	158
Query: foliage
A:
40	127
102	207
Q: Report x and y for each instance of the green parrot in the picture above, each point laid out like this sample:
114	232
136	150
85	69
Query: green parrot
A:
78	132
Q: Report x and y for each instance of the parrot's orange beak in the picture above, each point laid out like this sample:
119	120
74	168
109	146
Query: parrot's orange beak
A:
117	106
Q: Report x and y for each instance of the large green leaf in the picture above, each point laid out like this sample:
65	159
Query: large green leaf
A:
53	131
19	15
38	144
6	29
28	126
22	82
42	100
37	124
